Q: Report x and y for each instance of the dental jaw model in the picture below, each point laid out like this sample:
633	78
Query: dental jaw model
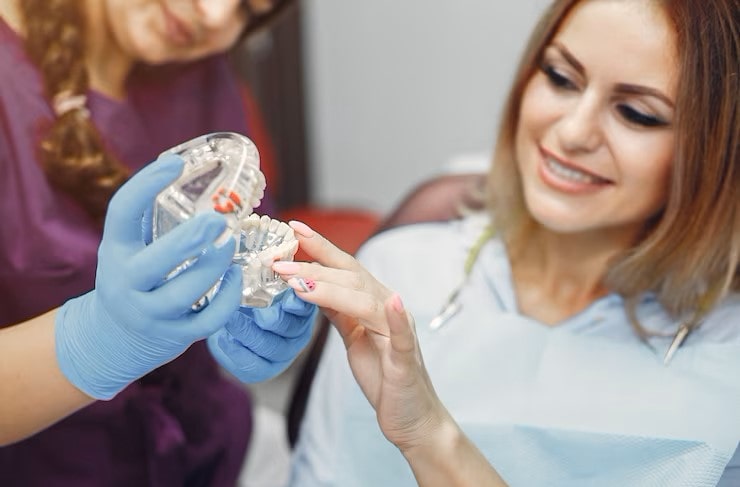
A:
222	173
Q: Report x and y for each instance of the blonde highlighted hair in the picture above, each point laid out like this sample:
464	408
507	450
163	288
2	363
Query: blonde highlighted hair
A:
690	252
71	150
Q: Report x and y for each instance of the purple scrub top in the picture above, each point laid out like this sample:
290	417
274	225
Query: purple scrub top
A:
183	424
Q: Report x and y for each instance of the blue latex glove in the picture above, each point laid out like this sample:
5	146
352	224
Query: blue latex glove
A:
133	322
259	343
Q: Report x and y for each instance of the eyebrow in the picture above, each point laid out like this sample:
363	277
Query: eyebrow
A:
624	88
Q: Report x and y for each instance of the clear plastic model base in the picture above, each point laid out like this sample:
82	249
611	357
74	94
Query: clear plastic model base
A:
222	173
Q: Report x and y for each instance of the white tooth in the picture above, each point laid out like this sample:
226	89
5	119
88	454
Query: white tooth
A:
282	229
570	173
274	226
264	223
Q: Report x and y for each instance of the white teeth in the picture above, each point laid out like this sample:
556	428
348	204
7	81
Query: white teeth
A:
570	173
263	241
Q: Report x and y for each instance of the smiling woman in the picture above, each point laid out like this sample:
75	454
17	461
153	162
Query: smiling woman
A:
595	138
598	319
90	92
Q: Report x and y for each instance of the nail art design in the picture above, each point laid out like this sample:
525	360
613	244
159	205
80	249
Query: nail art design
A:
307	285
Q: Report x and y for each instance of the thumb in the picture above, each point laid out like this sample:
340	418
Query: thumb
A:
136	197
401	326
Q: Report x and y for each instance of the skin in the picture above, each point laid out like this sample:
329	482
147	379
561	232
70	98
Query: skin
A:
123	33
35	392
387	364
592	119
603	109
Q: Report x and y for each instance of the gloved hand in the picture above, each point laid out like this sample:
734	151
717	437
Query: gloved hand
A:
259	343
132	322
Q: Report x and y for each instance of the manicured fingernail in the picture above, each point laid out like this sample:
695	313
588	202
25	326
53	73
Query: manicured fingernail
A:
285	267
301	228
397	304
300	284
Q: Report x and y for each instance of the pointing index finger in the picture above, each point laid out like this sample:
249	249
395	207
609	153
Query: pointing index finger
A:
321	249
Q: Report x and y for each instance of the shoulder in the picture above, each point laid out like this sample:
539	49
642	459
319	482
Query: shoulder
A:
722	324
424	240
413	256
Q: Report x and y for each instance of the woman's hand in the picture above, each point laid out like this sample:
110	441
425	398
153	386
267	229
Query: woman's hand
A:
378	334
386	361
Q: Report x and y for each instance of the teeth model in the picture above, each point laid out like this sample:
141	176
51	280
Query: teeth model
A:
262	242
222	173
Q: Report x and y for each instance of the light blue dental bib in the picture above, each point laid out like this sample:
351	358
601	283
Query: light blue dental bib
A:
549	407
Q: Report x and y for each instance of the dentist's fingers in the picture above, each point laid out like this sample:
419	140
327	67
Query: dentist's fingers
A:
189	240
133	199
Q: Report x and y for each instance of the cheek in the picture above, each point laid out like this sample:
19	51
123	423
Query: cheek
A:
646	164
648	156
139	35
539	110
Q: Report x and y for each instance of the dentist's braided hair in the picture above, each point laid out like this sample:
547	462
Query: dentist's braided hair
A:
71	150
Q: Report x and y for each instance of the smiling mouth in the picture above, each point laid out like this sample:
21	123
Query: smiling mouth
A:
573	174
177	30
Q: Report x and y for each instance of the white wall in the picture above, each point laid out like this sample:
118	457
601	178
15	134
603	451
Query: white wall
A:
398	88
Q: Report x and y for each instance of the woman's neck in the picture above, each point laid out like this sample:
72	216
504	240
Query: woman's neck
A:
557	275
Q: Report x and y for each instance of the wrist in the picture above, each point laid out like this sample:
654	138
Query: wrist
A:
448	458
93	353
439	444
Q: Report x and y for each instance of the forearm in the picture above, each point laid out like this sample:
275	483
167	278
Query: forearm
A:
451	460
34	393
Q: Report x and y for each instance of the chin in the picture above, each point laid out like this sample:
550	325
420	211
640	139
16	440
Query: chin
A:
560	220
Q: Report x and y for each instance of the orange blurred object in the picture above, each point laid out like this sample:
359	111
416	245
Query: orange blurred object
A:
347	228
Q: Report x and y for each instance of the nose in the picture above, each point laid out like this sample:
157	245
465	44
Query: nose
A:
216	13
579	129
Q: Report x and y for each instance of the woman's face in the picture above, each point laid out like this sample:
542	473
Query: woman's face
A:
163	31
594	142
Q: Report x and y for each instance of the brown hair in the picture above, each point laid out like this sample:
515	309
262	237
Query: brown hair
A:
71	151
690	253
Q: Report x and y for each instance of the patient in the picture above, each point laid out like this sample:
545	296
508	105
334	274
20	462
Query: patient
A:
591	334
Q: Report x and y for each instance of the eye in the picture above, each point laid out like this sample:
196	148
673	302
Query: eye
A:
637	117
556	78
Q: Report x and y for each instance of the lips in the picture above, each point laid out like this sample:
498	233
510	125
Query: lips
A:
178	31
569	177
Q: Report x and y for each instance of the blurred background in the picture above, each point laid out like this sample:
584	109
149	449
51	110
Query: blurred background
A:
363	99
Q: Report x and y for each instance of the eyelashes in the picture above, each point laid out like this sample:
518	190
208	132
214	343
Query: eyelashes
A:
640	118
556	78
561	81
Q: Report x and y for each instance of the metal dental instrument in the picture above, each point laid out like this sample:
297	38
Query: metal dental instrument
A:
452	305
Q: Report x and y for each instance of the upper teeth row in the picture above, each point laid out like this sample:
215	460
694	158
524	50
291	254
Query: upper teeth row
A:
570	173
